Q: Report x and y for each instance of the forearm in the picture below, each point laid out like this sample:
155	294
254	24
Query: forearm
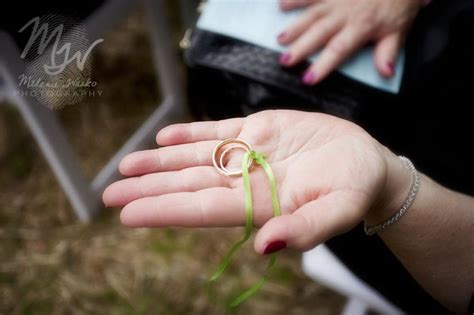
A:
434	239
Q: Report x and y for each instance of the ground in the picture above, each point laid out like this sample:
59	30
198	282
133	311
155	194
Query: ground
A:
53	264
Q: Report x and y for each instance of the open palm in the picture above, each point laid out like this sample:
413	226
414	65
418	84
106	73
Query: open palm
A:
329	173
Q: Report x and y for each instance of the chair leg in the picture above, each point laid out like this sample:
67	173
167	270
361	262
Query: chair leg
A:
354	306
49	135
51	139
165	54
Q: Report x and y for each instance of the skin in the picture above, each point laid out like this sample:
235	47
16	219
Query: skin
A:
330	175
341	27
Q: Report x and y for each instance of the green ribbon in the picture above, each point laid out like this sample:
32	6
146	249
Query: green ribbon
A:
259	158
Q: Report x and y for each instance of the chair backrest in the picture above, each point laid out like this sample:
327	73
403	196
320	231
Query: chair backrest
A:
47	130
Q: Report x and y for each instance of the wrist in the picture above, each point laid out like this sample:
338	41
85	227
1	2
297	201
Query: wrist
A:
395	190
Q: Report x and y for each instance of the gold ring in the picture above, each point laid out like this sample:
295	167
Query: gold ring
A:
237	144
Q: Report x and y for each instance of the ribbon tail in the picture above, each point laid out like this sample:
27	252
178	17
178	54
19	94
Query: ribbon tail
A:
228	257
248	220
256	287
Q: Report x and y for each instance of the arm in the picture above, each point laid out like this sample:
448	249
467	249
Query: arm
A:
434	239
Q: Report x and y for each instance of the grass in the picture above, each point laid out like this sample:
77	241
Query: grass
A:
52	264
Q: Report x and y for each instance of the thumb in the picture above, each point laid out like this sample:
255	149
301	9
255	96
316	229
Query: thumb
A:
386	52
312	224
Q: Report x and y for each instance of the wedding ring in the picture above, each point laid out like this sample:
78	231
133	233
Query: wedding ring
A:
223	148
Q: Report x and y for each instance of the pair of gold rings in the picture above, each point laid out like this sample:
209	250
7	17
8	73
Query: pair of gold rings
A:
222	149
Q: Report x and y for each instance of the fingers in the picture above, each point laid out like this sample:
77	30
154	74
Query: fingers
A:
199	131
307	18
294	4
210	207
339	48
310	225
386	52
309	42
168	158
187	180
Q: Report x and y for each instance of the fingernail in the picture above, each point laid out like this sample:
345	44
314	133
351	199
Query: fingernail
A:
281	37
391	68
309	77
274	247
285	58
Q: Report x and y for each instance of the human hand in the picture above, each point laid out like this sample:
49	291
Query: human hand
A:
344	26
330	175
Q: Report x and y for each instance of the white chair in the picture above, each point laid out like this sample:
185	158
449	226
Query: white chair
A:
323	266
47	130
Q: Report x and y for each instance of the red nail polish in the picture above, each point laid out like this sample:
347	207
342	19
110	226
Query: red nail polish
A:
281	36
285	58
309	77
274	247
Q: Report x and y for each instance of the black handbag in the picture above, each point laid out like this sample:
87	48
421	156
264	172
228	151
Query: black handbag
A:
228	77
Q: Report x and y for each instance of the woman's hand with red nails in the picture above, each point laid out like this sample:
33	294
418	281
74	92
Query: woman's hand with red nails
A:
329	174
340	27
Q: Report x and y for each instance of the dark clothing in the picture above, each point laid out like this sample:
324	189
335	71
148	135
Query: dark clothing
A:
431	122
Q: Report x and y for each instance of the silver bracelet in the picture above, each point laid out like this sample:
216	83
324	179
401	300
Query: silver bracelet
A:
371	230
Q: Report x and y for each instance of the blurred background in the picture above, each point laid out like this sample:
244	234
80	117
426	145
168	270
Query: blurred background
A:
52	263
